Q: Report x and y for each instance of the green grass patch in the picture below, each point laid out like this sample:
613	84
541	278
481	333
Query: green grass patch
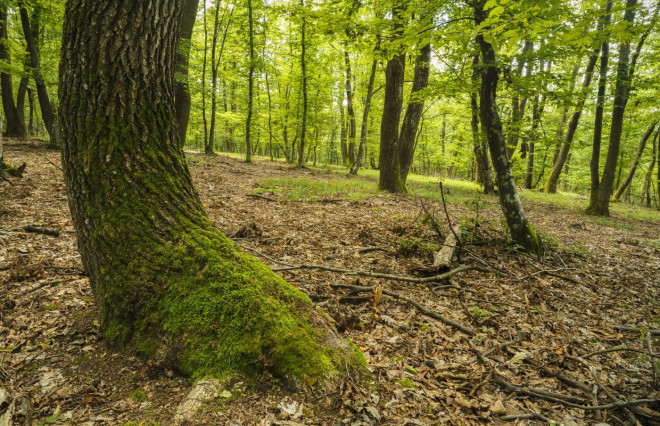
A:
311	189
138	395
604	221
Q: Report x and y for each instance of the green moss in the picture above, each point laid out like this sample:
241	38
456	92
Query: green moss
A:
357	357
138	395
406	383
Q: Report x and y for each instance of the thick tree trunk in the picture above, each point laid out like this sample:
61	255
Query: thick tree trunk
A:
165	280
519	228
621	92
365	120
350	149
551	184
408	134
248	121
388	162
181	88
479	144
594	164
14	128
635	162
47	113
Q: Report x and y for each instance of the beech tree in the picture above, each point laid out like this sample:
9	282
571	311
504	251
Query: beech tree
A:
166	281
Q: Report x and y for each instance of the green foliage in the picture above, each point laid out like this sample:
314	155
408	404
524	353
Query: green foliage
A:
138	395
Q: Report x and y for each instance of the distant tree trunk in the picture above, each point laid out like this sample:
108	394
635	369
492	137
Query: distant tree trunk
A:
349	110
408	134
479	144
365	120
519	228
388	162
303	70
537	112
551	184
517	106
621	93
206	44
248	121
208	149
165	280
646	187
594	164
635	162
270	115
32	127
181	88
14	128
343	132
47	113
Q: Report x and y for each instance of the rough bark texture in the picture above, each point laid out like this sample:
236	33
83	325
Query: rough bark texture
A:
621	92
560	161
388	162
365	120
47	113
480	146
14	128
414	111
165	280
635	162
181	89
519	228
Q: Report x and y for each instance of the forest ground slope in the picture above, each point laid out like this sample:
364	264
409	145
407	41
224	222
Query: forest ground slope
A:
598	274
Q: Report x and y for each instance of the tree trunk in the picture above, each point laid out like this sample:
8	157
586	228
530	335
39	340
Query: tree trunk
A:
388	162
181	88
208	149
517	106
537	112
635	162
365	120
551	184
646	187
47	114
414	111
303	70
248	121
14	127
342	132
478	141
204	62
350	149
519	228
166	282
594	164
621	92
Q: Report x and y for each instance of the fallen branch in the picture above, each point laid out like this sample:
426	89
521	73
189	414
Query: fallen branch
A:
37	287
636	329
262	197
360	250
495	348
619	349
417	305
51	232
451	228
442	258
525	416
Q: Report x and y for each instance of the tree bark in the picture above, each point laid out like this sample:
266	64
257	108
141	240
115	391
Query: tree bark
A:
181	88
635	162
621	92
166	282
517	106
388	162
350	149
551	184
365	120
47	113
248	121
414	111
14	128
646	187
303	70
479	144
519	228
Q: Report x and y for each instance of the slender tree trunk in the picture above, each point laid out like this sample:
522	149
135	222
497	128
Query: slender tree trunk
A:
14	128
303	70
181	88
635	162
537	113
519	228
349	110
208	149
646	187
343	132
165	280
551	184
388	162
414	111
270	115
365	120
517	106
621	92
478	140
206	44
248	121
47	113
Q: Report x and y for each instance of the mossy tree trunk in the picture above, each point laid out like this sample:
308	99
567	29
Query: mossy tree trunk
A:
519	228
165	280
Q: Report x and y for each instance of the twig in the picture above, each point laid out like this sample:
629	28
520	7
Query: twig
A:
544	271
451	228
434	278
53	164
360	250
525	416
417	305
618	349
496	347
636	329
262	197
654	365
37	287
51	232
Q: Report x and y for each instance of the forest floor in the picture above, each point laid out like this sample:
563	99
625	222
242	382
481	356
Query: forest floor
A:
558	309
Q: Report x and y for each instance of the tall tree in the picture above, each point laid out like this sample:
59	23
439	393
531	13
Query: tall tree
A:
480	147
248	121
15	128
365	119
519	228
303	71
633	166
165	280
181	88
349	110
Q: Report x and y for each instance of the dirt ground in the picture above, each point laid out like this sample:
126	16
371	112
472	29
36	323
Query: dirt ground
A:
552	313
